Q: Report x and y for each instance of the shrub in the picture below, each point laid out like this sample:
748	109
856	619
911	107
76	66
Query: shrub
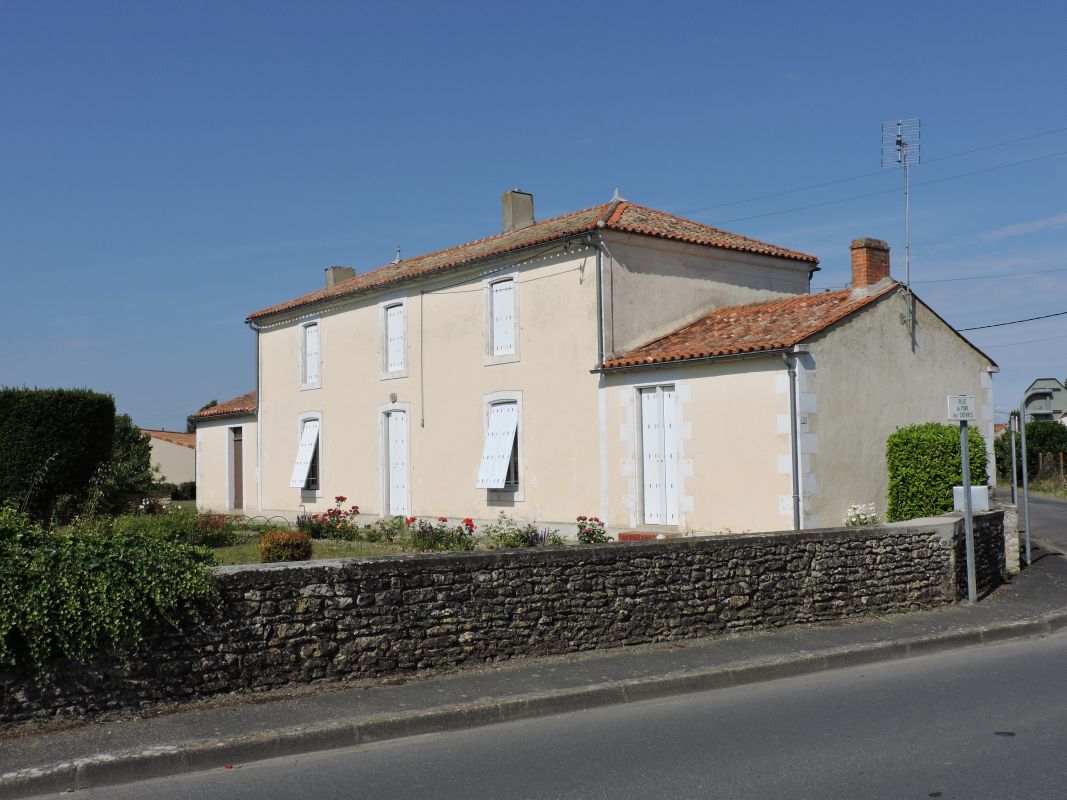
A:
51	443
90	588
284	546
1041	437
184	526
591	530
386	529
860	514
186	490
924	465
335	523
441	536
504	532
127	476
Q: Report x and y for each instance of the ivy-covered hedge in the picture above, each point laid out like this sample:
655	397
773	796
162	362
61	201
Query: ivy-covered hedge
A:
51	442
924	464
76	592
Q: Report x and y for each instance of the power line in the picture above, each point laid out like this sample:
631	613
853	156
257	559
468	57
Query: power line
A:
1028	341
888	191
1013	322
993	275
861	176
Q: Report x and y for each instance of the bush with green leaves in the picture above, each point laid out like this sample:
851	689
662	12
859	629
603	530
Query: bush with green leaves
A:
52	442
440	536
387	530
184	526
924	464
186	490
91	588
284	546
505	532
1041	437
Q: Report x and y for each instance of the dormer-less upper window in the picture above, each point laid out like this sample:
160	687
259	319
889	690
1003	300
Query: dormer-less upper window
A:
394	338
309	360
502	323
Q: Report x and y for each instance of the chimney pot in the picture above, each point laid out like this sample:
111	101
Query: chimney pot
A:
518	210
336	275
870	263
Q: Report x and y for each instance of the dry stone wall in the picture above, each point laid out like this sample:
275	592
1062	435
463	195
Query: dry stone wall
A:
303	622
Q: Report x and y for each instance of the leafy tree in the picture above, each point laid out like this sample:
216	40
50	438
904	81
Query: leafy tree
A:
1042	436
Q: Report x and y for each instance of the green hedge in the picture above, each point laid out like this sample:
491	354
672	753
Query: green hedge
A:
924	464
91	589
51	442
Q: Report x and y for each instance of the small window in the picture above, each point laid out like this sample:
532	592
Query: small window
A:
309	351
394	338
502	317
500	454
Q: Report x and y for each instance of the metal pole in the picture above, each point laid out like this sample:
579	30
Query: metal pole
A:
1014	478
972	590
1026	484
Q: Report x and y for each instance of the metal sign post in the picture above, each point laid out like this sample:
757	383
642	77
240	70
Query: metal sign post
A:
1014	478
961	409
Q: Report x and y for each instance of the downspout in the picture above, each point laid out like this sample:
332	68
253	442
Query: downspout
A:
591	241
789	358
259	430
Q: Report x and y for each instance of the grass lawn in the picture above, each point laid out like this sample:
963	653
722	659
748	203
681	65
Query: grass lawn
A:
248	553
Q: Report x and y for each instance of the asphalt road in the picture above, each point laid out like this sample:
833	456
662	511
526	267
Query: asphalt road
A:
1048	519
974	723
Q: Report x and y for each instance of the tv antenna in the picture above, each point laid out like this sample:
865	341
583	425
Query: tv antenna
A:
900	148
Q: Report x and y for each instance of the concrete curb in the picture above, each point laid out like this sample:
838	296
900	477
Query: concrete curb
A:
110	769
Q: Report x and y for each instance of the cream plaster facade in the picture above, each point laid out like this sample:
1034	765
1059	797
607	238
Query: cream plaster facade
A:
215	489
176	463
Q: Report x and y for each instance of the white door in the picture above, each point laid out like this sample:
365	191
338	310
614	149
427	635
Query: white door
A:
659	455
396	437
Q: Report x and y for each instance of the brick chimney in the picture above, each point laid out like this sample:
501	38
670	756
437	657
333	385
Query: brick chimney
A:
518	210
870	264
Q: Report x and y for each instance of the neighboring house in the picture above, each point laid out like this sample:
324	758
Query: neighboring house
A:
617	361
1050	405
173	454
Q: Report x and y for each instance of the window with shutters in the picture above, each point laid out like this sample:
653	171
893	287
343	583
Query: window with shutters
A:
310	361
394	340
307	469
500	471
502	320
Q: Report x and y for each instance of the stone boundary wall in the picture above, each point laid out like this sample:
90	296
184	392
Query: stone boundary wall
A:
309	621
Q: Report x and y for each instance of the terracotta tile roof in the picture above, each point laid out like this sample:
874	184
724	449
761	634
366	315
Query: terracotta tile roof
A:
734	330
245	404
174	437
617	215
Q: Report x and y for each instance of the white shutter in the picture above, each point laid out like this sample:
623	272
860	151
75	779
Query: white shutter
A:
311	354
499	439
309	437
671	435
394	334
652	451
398	463
503	302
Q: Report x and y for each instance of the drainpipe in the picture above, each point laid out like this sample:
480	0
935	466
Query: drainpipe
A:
592	242
794	434
259	432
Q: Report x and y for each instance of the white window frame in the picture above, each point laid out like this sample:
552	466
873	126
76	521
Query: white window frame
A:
383	454
508	358
311	495
304	383
506	496
384	373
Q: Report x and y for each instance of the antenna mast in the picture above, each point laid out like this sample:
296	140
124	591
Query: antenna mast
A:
900	147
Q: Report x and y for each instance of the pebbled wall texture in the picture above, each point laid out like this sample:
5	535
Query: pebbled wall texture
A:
301	622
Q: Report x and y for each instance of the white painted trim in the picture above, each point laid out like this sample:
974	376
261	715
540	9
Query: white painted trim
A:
383	456
502	496
384	373
307	495
488	359
302	366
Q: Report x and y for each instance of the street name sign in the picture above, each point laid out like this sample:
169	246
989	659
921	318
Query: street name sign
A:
961	407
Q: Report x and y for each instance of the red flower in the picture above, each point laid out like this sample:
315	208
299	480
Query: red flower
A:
410	520
340	498
442	519
581	519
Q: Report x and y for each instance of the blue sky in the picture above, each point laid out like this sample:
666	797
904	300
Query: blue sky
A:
167	168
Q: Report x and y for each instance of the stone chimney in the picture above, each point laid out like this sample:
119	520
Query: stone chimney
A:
335	275
518	210
870	264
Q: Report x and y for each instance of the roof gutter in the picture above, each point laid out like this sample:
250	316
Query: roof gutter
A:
688	361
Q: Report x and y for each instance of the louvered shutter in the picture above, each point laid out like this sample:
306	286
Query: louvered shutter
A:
309	437
499	439
503	301
670	455
394	334
652	450
398	463
311	354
